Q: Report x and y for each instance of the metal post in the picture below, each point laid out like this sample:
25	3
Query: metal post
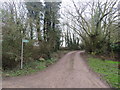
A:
22	55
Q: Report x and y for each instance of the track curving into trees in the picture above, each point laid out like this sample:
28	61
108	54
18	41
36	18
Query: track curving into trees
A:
71	71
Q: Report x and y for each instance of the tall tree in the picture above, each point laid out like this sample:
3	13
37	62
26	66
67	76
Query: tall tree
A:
93	23
51	24
35	14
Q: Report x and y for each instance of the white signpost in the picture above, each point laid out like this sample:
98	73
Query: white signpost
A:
23	41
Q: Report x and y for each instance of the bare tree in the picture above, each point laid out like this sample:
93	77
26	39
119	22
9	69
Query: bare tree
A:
94	22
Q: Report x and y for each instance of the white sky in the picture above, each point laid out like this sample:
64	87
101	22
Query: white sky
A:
64	1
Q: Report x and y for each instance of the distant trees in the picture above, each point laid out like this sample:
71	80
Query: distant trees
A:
72	42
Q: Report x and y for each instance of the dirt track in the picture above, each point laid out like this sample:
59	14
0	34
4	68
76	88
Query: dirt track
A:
70	71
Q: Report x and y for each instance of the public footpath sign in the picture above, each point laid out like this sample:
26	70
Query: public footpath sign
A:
23	41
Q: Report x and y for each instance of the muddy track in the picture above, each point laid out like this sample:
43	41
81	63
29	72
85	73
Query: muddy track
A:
70	71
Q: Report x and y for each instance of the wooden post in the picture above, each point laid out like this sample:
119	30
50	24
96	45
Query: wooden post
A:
21	66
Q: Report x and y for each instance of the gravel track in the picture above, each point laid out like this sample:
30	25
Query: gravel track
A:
71	71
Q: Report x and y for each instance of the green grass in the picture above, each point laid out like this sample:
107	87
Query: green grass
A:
114	62
107	69
29	68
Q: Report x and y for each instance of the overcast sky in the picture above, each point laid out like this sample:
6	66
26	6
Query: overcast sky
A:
64	1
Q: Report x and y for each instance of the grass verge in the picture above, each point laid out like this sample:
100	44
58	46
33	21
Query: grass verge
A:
107	69
29	68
